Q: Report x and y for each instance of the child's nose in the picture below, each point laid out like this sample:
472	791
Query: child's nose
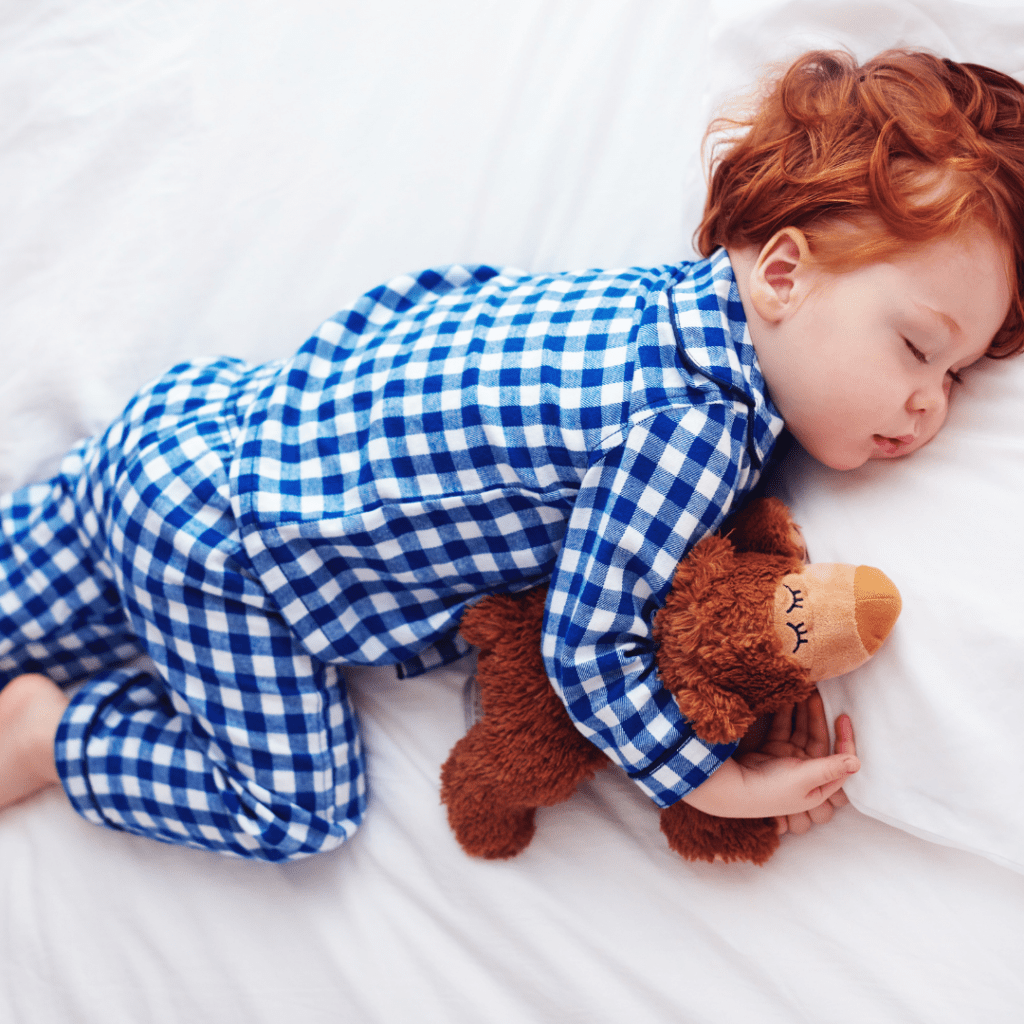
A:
928	397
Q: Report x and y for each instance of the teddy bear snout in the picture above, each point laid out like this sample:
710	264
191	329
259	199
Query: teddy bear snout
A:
831	617
877	603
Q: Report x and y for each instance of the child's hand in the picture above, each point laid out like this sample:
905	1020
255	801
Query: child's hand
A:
803	733
790	776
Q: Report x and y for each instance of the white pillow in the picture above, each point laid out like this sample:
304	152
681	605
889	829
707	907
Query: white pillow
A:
939	711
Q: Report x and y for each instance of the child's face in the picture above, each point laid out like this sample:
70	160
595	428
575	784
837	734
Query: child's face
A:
860	364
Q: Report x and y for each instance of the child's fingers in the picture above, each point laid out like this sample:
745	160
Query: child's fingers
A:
838	799
787	786
799	824
822	814
845	741
823	776
817	728
845	744
799	735
781	728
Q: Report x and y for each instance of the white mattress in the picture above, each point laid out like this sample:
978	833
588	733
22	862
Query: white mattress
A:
213	176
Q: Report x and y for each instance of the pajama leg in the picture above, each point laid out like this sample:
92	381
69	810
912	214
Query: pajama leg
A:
60	614
244	744
241	768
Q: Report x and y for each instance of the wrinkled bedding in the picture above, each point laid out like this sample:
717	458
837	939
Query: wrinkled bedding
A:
217	176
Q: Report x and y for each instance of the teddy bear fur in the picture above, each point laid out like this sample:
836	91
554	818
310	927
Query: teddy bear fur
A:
717	650
717	653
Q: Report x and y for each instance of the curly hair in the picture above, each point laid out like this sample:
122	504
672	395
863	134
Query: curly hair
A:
906	148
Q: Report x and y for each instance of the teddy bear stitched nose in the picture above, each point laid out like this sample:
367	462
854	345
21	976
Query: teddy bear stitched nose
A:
877	603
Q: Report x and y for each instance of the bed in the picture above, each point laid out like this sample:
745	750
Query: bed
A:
217	176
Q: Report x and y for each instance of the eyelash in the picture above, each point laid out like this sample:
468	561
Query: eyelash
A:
922	358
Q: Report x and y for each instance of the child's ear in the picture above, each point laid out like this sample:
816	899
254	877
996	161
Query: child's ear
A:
778	278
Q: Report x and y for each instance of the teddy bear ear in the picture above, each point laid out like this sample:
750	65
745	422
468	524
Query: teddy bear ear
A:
766	527
701	580
717	716
707	564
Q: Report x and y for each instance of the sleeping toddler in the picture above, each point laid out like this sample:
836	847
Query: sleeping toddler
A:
470	430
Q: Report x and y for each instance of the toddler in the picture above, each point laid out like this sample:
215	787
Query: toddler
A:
468	430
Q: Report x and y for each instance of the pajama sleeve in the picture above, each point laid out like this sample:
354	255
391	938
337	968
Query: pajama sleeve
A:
643	503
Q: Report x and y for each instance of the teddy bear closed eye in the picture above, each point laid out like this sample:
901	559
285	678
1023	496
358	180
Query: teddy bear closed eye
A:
747	628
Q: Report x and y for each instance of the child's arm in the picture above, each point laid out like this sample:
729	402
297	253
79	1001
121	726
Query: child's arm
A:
637	513
792	776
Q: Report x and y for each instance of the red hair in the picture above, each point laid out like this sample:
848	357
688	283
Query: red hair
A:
907	147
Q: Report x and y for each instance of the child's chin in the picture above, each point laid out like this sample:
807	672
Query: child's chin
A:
846	465
843	462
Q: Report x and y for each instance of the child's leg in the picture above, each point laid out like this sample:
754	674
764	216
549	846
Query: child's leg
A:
60	613
127	759
58	616
244	744
251	761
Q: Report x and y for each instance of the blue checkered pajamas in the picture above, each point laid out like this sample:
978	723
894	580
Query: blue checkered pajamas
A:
451	434
242	743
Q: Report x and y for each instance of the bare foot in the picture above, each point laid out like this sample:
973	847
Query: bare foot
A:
31	707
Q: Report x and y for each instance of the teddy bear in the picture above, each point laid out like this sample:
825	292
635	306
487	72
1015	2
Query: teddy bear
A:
748	627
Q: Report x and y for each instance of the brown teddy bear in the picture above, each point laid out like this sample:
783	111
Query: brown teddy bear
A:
747	628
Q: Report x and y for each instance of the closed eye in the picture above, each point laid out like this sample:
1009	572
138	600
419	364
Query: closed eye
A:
915	351
922	358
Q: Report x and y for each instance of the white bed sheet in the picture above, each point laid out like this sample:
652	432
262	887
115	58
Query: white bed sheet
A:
207	176
597	921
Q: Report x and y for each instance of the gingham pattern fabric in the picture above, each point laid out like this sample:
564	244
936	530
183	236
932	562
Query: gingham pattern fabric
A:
241	742
465	431
450	435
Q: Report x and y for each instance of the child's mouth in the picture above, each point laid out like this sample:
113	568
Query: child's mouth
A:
892	445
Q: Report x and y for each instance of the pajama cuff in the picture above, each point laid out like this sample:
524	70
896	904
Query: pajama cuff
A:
72	736
682	769
124	763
